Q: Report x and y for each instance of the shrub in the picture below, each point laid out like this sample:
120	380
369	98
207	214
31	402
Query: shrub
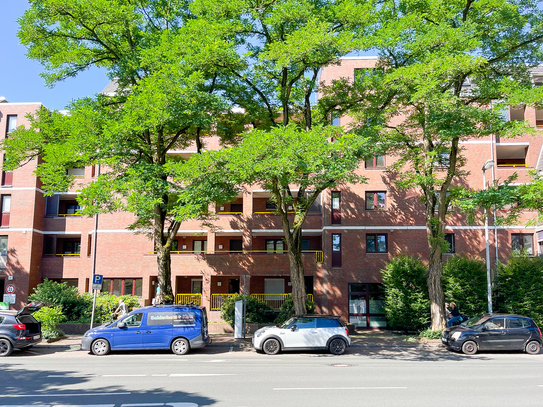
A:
429	334
465	283
287	309
407	305
50	317
520	287
106	303
257	312
60	294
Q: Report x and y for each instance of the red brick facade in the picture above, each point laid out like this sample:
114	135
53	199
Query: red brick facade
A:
221	268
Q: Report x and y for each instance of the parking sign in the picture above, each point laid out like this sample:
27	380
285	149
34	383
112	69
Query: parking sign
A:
97	282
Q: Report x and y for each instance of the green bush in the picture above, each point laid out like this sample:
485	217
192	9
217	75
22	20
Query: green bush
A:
258	312
78	307
429	334
407	305
520	287
464	282
50	317
287	309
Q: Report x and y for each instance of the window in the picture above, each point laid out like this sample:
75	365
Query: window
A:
6	208
367	305
236	207
305	323
51	205
76	172
236	245
516	113
175	246
275	245
336	208
122	286
71	247
522	242
270	205
375	201
376	243
49	245
449	238
376	162
133	320
335	120
305	244
11	123
443	160
3	251
363	73
200	246
336	250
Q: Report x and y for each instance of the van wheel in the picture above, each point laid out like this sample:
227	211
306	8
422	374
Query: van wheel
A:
180	346
271	346
533	347
100	347
469	348
5	347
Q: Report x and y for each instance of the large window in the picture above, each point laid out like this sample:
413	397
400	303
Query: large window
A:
3	251
367	305
71	247
449	238
376	243
200	246
11	123
376	200
522	242
336	207
376	162
122	286
275	245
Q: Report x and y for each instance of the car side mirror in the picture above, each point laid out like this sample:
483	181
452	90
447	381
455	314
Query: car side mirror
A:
121	324
484	328
293	328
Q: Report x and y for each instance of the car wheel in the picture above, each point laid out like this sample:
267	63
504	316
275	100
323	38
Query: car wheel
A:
533	347
469	348
271	347
5	347
100	347
337	346
180	346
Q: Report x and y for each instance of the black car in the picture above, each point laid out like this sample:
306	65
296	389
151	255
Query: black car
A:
494	332
19	329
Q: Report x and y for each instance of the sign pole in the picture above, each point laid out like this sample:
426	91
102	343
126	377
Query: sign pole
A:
93	307
97	280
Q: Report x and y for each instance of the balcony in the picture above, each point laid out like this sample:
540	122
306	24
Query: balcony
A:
511	155
275	301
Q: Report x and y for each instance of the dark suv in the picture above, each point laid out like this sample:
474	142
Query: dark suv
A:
19	329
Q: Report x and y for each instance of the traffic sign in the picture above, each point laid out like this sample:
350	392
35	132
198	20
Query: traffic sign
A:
10	289
97	281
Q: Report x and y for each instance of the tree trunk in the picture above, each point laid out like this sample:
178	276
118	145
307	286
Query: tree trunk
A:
298	281
435	290
163	259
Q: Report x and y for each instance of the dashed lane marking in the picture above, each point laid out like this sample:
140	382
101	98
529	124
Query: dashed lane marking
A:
337	388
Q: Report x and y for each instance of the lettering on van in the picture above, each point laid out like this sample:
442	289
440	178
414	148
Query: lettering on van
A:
177	319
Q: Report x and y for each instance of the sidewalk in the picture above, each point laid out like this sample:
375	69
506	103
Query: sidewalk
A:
369	339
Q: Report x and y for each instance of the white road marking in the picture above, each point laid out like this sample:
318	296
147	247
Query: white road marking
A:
69	375
201	374
215	361
178	404
337	388
160	404
159	375
67	395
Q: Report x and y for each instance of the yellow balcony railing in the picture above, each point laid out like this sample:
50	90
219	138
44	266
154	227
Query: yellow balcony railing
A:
273	300
192	299
512	165
319	255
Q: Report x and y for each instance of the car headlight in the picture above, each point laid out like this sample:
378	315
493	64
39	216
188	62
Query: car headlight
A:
258	334
456	335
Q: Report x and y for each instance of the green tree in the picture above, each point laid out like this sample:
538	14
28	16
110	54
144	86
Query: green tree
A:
443	67
163	100
285	44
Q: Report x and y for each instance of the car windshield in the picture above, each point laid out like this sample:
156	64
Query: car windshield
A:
478	320
286	323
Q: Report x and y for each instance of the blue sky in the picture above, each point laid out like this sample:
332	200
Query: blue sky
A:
20	79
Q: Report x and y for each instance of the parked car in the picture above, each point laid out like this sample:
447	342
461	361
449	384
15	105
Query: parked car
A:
302	333
176	327
494	332
19	329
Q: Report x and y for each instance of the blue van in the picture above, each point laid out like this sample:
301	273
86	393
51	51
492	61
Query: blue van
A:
176	327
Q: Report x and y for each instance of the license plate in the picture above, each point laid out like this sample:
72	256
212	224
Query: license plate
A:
37	336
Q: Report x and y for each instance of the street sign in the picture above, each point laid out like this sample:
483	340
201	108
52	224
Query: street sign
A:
10	289
97	281
9	298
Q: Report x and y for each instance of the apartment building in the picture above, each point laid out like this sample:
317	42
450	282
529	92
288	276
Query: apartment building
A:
349	236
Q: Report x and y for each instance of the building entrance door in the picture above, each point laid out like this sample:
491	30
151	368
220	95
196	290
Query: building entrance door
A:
2	288
367	305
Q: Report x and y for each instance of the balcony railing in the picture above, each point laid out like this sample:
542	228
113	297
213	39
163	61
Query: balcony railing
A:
319	255
192	299
273	300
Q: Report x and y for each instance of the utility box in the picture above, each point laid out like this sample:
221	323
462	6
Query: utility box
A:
238	320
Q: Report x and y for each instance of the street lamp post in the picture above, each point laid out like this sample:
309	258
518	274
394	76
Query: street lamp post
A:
486	166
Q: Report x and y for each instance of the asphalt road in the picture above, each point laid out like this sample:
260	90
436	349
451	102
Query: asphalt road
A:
234	377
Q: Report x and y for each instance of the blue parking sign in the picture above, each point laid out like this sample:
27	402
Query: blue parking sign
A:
97	281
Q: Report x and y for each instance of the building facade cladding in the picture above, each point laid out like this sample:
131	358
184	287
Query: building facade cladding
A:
347	240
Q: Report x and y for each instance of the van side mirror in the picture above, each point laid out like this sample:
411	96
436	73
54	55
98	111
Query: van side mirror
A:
121	324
